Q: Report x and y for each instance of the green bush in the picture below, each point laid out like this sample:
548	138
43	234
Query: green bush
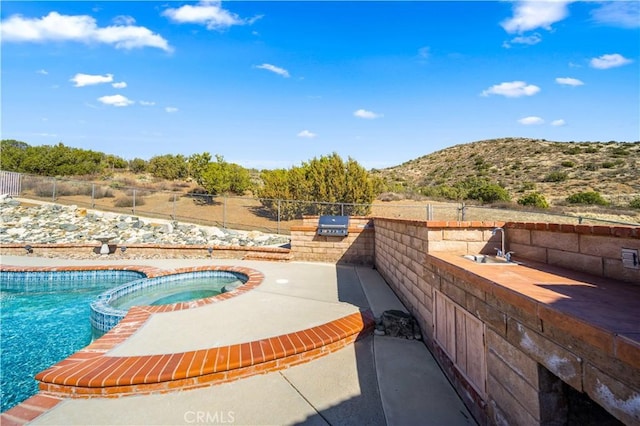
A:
588	197
573	150
534	199
556	176
608	165
489	193
635	203
568	164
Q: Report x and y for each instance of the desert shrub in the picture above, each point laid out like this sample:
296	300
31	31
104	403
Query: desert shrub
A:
127	201
43	189
488	193
573	150
442	191
103	192
588	197
64	189
534	199
608	165
390	196
568	164
635	203
137	192
556	176
591	167
528	186
619	152
591	150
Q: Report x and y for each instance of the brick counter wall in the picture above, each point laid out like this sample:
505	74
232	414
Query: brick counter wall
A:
596	250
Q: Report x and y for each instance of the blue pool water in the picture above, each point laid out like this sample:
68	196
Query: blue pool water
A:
44	318
177	290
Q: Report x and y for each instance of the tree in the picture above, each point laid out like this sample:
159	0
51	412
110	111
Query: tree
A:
220	177
13	154
197	163
168	166
327	179
138	165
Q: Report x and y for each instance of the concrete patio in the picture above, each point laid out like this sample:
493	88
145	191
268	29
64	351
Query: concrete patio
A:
376	380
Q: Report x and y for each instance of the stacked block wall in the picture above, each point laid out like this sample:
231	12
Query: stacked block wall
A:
356	248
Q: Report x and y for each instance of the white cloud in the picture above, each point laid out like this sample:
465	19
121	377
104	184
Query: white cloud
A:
369	115
171	109
531	14
82	80
529	40
558	123
618	13
609	61
528	121
512	89
120	85
79	28
568	81
146	103
208	13
43	72
116	100
124	20
280	71
307	134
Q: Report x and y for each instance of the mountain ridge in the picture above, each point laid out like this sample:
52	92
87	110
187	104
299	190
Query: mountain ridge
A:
523	165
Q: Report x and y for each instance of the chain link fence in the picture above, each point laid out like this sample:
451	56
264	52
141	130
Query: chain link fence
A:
273	215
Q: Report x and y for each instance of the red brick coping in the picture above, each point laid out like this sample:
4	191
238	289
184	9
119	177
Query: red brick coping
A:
90	372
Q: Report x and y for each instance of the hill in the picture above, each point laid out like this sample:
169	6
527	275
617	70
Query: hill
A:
555	169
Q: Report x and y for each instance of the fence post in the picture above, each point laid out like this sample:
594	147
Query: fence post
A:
53	195
341	209
93	195
134	202
224	211
278	226
429	212
174	206
463	212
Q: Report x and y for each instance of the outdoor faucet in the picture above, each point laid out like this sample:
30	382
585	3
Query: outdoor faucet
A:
501	252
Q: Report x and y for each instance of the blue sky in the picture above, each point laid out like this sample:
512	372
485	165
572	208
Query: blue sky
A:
272	84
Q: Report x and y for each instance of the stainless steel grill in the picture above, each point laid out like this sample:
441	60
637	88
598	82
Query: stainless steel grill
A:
334	226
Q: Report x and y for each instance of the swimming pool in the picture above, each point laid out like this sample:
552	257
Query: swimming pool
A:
45	318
